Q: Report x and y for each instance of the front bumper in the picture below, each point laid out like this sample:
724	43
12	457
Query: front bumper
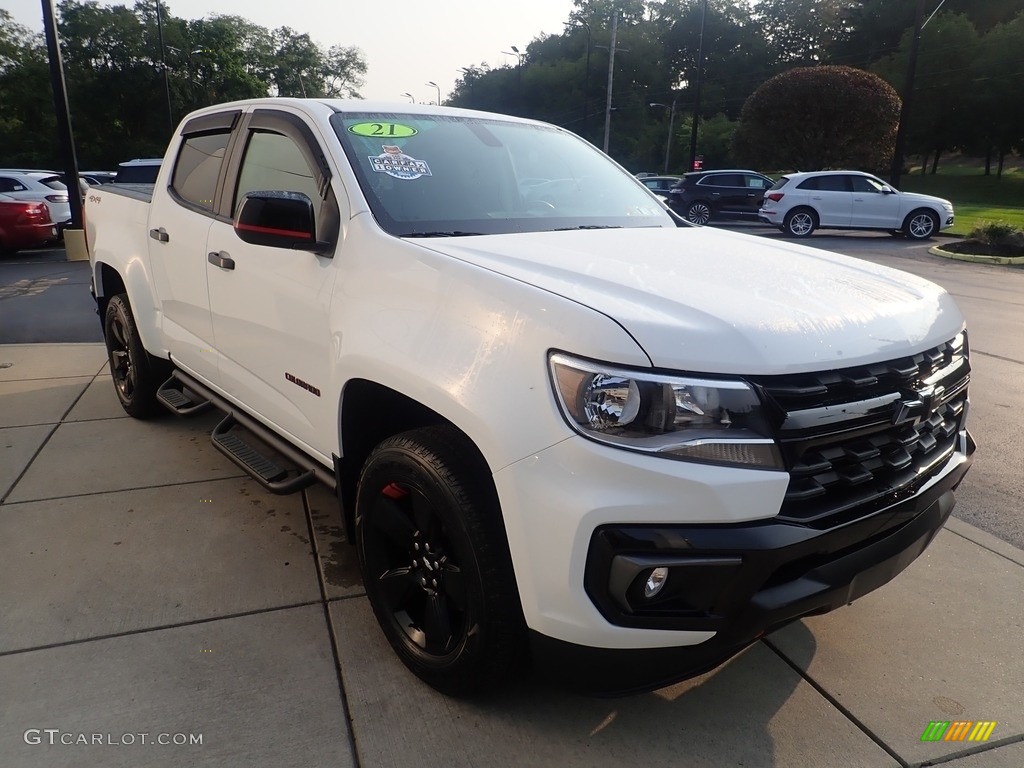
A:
738	581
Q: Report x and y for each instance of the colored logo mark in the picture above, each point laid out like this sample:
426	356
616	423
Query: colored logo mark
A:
958	730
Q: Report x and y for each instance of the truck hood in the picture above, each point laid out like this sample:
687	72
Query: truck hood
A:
707	300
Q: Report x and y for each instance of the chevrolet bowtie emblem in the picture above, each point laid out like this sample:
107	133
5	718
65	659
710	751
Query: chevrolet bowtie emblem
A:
917	407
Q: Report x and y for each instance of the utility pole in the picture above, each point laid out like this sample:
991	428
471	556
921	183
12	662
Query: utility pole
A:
611	72
163	64
700	80
896	171
63	113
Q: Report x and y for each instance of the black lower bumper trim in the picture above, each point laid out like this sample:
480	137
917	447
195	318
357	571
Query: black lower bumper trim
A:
788	572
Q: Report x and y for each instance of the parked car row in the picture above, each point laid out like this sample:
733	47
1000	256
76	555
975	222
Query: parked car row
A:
800	203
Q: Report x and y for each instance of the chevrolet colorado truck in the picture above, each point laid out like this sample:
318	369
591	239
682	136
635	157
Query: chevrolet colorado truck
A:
564	427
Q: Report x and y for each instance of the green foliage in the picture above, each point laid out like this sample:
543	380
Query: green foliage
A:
998	233
119	80
812	118
948	50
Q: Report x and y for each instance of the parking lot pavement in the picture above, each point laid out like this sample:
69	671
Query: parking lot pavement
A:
148	592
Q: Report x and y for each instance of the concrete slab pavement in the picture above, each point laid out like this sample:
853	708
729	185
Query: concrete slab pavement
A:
146	588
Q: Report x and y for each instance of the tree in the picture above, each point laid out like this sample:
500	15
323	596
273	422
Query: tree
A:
810	118
800	31
997	98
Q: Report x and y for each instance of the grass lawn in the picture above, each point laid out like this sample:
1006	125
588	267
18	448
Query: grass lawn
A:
976	198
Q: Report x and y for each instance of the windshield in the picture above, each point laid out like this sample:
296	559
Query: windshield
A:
435	176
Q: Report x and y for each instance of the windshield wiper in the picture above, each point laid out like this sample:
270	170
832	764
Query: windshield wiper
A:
442	233
587	226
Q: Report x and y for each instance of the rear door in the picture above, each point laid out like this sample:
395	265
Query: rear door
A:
726	192
270	306
831	196
182	211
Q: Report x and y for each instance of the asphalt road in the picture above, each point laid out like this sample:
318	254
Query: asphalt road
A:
45	299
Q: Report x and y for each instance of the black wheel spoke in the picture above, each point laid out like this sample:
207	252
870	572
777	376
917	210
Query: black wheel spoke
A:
396	585
437	625
453	584
395	524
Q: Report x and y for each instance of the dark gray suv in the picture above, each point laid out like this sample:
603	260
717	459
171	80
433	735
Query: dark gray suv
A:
730	194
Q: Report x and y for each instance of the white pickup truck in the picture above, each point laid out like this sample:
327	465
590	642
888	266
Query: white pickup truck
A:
564	427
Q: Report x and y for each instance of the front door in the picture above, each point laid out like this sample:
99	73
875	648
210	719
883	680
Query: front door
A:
270	306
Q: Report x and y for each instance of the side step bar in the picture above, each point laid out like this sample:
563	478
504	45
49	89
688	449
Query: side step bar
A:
172	396
264	470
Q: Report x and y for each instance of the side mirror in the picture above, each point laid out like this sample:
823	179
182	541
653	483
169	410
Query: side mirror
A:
278	220
888	190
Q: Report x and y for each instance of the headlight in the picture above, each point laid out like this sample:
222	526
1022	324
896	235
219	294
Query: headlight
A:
710	420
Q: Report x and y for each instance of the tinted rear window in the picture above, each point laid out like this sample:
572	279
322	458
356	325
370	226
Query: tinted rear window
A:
137	174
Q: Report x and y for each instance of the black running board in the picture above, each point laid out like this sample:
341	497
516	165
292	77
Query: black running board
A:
172	396
250	458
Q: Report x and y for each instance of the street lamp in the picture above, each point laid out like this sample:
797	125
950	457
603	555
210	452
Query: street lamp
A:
671	120
515	52
432	84
411	97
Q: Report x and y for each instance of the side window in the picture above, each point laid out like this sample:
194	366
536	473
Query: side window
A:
723	180
197	168
756	182
833	184
10	185
811	183
865	184
273	162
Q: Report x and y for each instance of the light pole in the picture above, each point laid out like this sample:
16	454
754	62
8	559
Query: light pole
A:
435	85
412	98
671	121
699	80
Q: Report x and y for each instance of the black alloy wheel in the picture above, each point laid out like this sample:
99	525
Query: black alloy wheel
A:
698	212
435	561
136	375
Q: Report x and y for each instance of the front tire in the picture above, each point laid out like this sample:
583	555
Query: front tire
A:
800	222
920	225
137	376
435	561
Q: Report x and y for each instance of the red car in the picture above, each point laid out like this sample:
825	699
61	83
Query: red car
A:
24	224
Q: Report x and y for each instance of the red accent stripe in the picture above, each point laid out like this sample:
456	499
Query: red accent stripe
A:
274	231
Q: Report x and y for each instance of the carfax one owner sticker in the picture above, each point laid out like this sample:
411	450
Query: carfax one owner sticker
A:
396	163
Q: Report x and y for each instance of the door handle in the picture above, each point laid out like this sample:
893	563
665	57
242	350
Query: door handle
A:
160	235
220	259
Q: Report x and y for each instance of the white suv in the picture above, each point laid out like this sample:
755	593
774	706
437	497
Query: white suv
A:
39	186
800	203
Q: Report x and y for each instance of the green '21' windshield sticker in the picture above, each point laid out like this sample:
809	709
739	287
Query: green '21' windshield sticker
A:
388	130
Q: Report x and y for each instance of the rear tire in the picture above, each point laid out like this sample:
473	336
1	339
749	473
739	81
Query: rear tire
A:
435	561
921	224
698	212
800	222
137	375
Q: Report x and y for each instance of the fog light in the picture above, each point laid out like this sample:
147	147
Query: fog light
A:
655	581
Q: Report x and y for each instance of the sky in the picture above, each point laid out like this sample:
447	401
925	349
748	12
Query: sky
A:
406	43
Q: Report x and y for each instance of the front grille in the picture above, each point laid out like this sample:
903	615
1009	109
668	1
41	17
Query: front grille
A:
858	439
